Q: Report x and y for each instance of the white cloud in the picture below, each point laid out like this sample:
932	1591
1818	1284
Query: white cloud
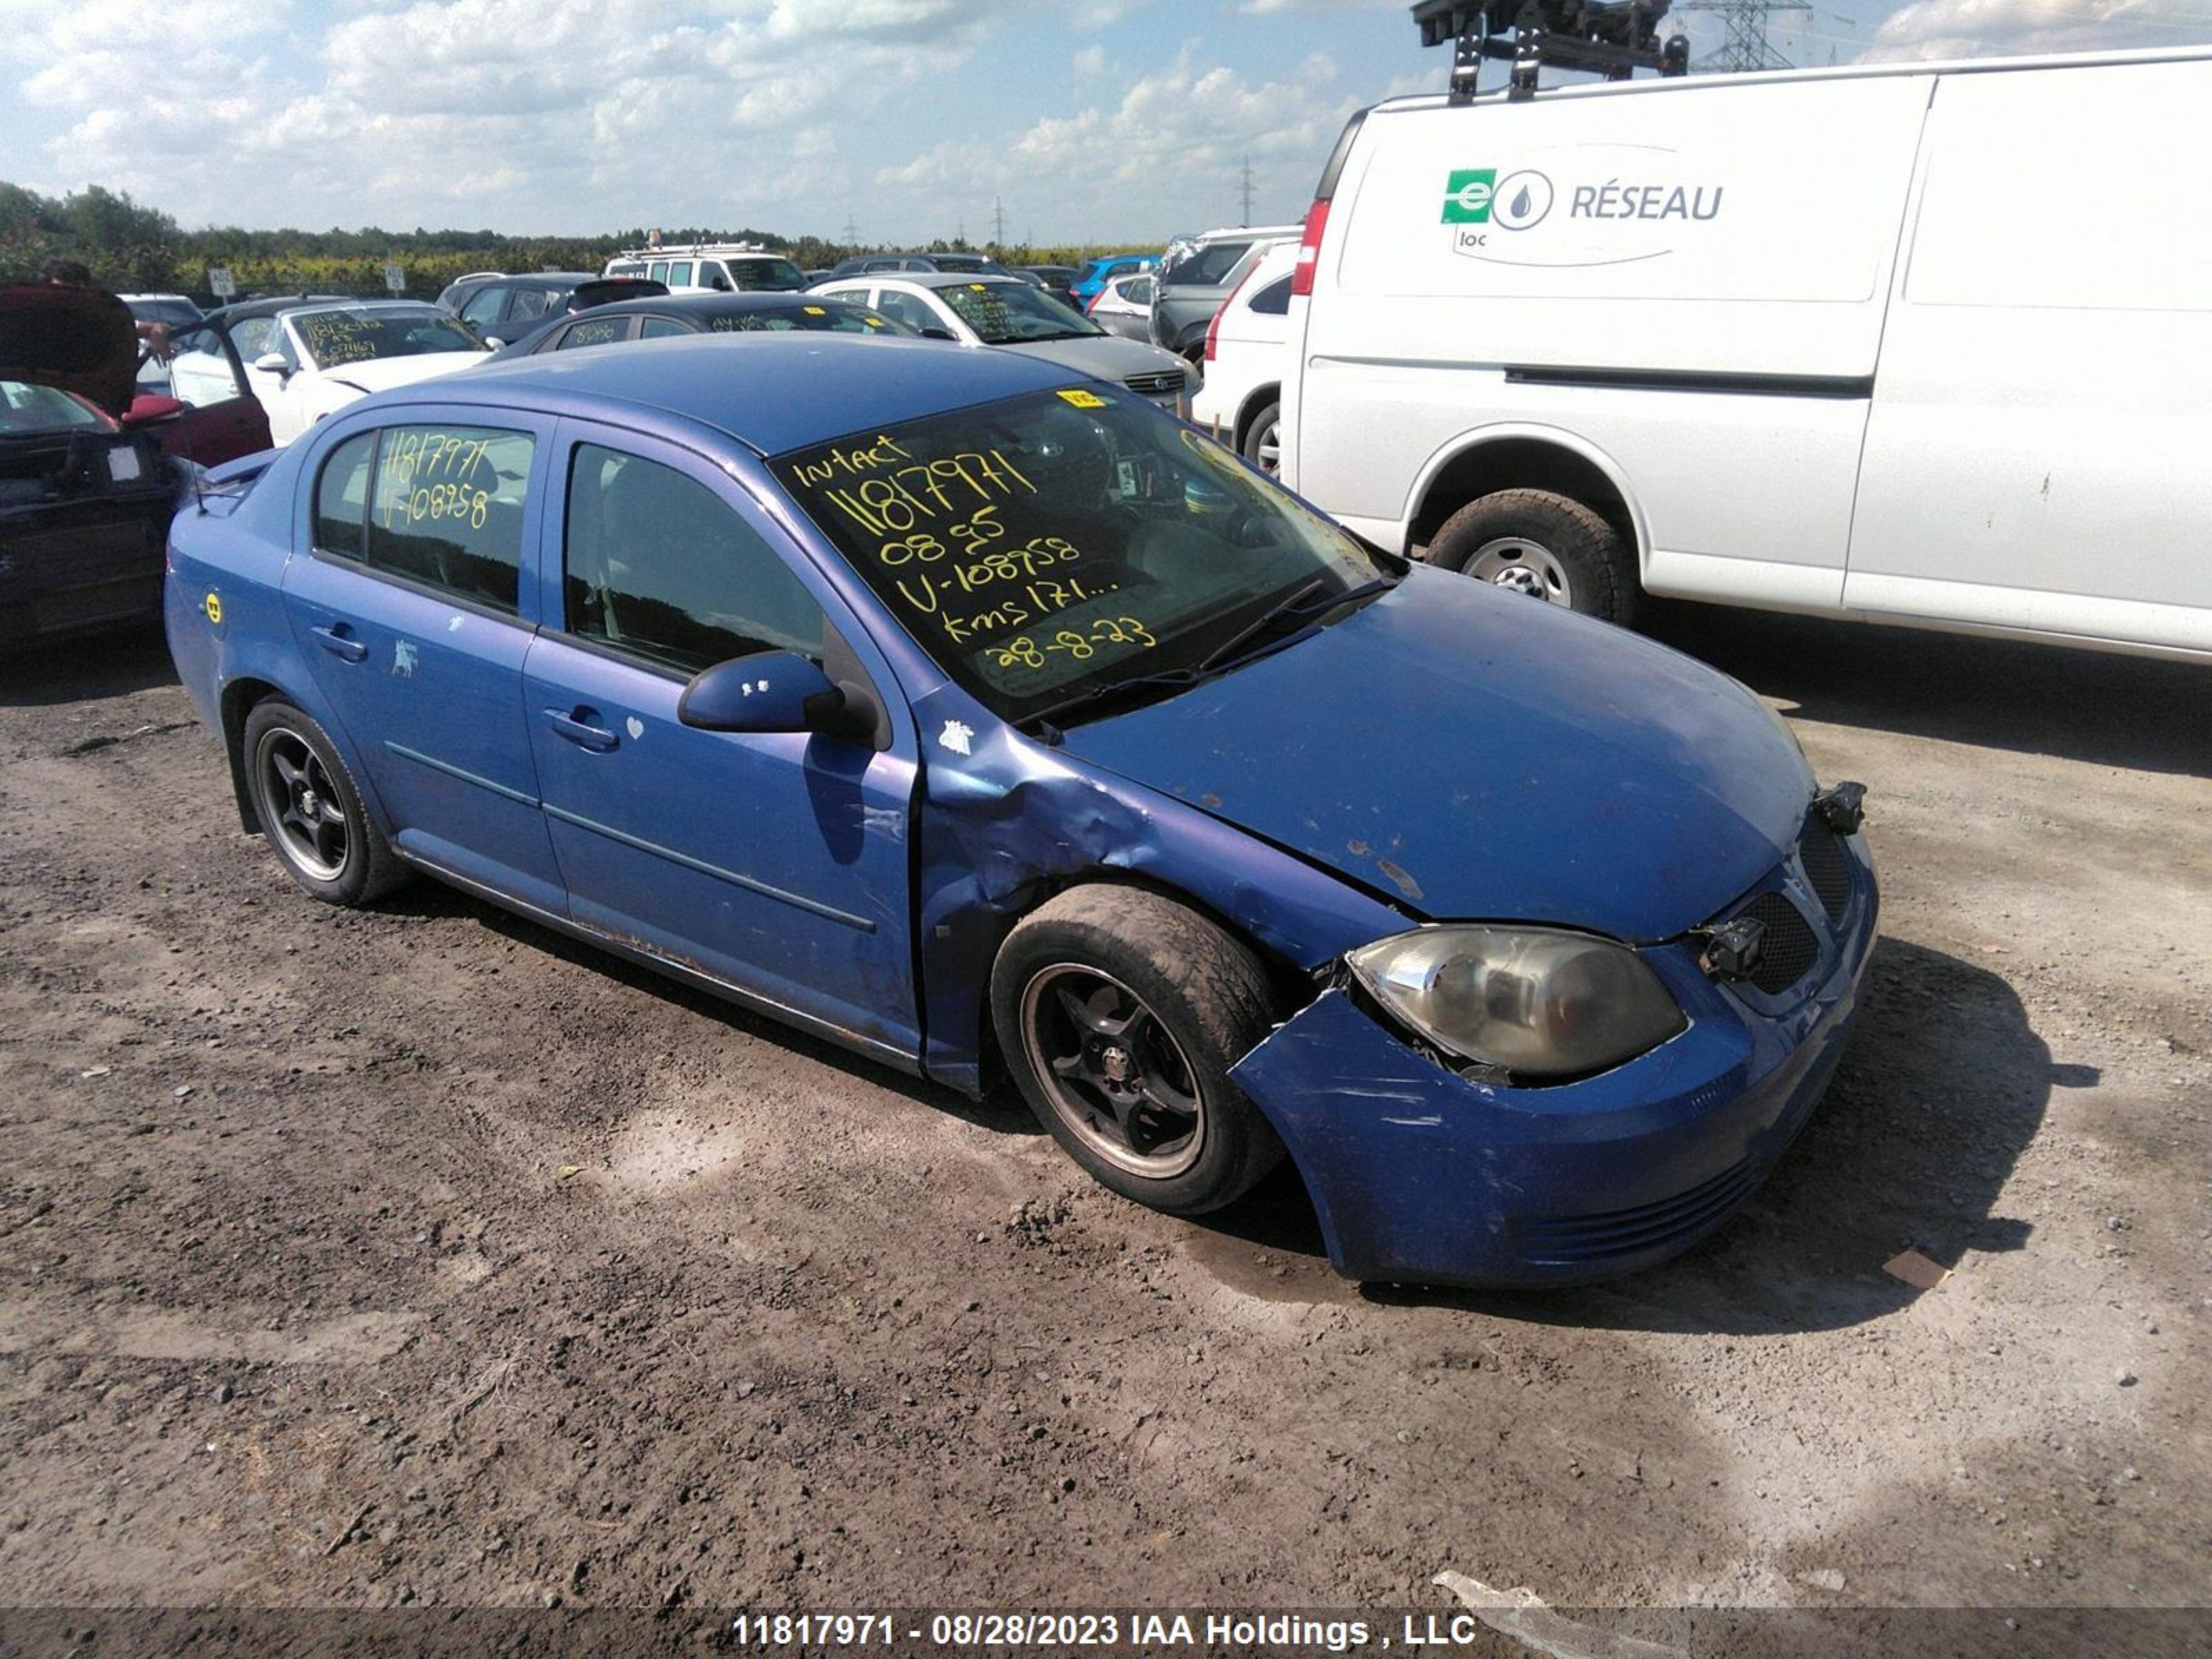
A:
1174	146
1931	29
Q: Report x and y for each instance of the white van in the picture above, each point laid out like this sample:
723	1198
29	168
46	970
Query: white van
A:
1918	343
710	267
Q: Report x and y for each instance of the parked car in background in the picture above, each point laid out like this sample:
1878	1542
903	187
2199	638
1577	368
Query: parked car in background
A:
1196	274
1056	280
505	308
87	489
711	268
979	265
957	710
704	314
1804	341
1095	273
1005	311
1241	403
1124	306
298	361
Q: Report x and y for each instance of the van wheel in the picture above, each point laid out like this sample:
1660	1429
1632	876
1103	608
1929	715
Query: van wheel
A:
1120	1013
1263	440
1548	546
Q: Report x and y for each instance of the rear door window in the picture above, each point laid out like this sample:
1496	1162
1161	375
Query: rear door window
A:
446	507
1273	300
342	498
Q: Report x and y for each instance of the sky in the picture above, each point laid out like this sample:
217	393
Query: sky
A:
1092	121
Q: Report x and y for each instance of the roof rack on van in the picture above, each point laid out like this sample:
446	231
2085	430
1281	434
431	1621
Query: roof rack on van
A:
1612	38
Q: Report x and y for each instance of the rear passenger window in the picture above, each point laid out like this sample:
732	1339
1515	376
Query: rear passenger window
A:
446	509
659	565
598	330
1274	300
679	274
342	497
660	328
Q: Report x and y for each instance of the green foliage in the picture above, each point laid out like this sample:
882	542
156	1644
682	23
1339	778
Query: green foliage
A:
135	249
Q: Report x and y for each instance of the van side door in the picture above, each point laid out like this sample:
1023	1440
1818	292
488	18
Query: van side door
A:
2035	459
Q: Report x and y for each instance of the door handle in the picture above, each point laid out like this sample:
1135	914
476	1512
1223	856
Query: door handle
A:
337	639
576	726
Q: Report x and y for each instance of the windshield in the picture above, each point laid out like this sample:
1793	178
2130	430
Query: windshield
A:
336	337
1007	313
778	275
1060	545
26	408
819	316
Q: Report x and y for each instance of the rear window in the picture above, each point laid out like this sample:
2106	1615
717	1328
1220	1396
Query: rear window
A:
768	276
1206	267
446	509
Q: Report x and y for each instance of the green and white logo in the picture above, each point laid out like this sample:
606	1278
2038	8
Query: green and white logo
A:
1468	193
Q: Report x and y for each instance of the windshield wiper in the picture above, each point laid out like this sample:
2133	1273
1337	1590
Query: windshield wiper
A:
1292	605
1223	657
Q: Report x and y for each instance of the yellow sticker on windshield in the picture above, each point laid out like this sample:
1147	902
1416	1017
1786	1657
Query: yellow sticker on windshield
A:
978	287
873	322
1084	399
815	310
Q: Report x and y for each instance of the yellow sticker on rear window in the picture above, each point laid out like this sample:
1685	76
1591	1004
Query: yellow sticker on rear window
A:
816	311
1084	399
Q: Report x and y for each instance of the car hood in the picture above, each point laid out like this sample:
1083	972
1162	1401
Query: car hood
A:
1472	754
1107	357
382	374
83	340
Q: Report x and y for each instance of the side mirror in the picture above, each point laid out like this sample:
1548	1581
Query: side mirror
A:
148	408
272	362
493	343
769	691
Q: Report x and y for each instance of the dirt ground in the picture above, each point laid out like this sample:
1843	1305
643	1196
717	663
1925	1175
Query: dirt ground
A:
420	1256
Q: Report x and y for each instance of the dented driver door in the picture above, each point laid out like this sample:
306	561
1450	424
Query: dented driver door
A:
774	864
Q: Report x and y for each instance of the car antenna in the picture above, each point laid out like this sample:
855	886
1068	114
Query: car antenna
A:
1612	38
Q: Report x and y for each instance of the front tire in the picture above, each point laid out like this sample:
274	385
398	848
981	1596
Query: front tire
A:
1120	1013
310	808
1548	545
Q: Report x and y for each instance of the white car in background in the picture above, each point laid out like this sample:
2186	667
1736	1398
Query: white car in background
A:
1241	403
1124	306
1005	311
303	359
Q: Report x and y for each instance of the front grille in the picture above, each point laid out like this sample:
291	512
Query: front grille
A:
1157	384
1828	866
1612	1233
1788	949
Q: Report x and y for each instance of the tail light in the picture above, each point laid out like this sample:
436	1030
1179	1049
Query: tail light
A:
1213	328
1310	246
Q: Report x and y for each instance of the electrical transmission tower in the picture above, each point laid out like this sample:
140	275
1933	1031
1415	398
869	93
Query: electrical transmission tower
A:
1744	46
1244	190
998	222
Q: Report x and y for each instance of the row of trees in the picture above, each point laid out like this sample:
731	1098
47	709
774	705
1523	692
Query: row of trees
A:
133	248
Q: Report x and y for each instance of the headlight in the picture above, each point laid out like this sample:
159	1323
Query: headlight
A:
1537	1002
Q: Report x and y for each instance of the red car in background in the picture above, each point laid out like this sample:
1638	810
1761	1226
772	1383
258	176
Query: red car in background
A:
91	470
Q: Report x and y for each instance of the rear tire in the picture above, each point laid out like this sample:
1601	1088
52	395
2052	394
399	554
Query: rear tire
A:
1120	1013
310	808
1548	545
1263	441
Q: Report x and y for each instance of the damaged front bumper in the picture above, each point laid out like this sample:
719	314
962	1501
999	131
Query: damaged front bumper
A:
1419	1175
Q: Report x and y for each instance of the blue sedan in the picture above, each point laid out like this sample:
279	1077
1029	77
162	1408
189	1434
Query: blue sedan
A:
990	724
